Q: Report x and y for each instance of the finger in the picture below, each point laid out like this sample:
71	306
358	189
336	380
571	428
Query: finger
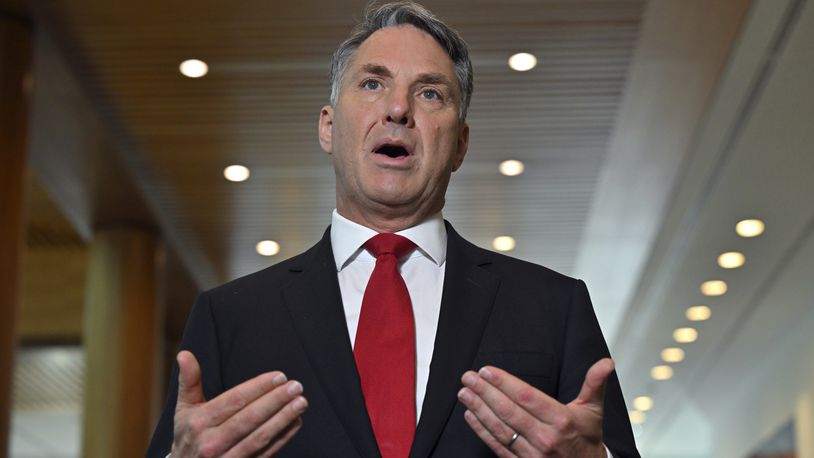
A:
274	433
245	423
284	438
232	401
492	419
539	419
540	405
487	437
593	389
189	381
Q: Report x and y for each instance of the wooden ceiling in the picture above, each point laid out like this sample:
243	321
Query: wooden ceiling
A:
120	137
639	155
259	105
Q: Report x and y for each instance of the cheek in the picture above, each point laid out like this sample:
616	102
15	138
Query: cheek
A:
437	139
445	145
344	141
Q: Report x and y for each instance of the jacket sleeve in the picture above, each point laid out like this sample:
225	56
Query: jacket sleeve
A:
201	338
583	346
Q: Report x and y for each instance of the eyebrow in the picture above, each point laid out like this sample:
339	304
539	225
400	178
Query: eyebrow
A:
423	78
434	78
378	70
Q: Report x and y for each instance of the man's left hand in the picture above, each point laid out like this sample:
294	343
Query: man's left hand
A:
500	405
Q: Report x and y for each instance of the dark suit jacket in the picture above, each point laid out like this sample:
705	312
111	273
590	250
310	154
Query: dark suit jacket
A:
526	319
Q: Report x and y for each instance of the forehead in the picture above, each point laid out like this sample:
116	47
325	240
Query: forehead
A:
404	48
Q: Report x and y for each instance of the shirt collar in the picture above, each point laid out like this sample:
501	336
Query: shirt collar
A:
347	238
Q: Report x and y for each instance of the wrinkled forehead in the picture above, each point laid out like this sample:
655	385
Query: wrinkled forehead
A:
403	47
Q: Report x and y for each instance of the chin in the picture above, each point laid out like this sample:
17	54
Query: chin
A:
389	197
395	191
391	201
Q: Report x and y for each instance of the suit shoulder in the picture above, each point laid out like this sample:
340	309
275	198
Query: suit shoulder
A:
514	268
518	270
269	279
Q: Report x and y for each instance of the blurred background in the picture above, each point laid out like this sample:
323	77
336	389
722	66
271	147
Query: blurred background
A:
662	150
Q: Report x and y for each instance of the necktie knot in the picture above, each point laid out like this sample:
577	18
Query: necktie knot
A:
387	243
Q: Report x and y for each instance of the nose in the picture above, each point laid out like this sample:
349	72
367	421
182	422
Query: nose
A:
399	109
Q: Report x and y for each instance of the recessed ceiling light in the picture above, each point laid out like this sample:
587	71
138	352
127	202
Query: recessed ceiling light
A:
731	259
503	243
268	247
643	403
193	68
522	61
672	355
511	168
637	417
750	228
699	313
713	288
236	173
661	372
685	335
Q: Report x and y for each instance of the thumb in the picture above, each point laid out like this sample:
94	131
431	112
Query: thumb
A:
593	389
189	381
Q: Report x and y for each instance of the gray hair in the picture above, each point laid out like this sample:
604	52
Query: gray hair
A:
406	13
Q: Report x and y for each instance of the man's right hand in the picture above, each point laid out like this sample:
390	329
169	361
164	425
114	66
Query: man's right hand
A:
255	418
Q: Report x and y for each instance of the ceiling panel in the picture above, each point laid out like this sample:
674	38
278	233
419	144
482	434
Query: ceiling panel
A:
260	102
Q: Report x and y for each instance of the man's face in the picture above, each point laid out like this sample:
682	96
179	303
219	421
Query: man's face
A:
394	133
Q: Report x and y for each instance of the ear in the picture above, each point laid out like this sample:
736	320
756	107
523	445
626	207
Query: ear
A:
463	145
326	122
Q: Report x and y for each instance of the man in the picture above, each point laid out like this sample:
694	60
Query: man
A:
367	344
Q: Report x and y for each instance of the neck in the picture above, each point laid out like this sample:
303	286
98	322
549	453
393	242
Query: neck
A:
385	220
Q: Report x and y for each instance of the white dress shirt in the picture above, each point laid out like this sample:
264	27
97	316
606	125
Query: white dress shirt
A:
423	272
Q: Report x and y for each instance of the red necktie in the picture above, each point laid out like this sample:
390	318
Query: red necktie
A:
385	348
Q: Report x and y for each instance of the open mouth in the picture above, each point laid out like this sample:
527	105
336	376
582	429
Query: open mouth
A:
392	151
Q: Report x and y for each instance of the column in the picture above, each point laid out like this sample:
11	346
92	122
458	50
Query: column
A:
15	47
122	336
804	425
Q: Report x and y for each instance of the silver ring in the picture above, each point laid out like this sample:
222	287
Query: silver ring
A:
514	438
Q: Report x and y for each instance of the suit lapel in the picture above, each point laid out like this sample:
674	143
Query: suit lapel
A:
315	305
467	299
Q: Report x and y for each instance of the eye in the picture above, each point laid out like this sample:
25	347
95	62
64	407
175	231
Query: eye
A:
430	94
371	85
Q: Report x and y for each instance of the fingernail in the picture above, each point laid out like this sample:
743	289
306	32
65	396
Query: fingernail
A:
464	395
469	379
485	373
279	379
294	388
299	404
469	415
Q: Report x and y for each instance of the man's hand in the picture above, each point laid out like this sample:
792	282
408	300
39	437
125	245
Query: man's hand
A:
500	405
255	418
